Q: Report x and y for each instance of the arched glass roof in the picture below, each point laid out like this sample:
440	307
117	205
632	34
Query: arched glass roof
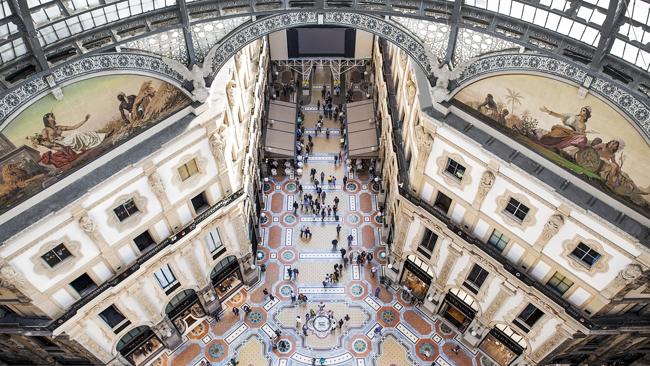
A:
611	36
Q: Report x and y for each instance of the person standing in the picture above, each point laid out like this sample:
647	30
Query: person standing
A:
377	291
318	105
334	244
298	322
343	251
338	226
350	239
322	177
295	207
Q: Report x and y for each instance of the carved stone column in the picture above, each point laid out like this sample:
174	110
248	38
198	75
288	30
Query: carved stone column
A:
89	227
209	299
447	266
158	188
149	305
403	221
424	143
502	296
551	228
486	183
559	336
251	275
168	334
217	147
79	334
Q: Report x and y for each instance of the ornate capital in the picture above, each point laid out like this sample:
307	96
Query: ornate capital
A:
551	228
486	183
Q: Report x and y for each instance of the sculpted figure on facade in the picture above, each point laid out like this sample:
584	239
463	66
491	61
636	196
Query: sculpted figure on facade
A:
551	228
231	87
9	277
486	183
87	224
156	184
411	89
196	76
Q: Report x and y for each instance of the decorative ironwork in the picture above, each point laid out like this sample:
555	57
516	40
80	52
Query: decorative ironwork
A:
635	109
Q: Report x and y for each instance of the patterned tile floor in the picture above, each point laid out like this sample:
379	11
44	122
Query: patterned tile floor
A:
409	337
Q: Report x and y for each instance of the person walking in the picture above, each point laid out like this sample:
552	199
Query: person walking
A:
318	105
304	330
373	271
334	244
293	297
345	180
322	177
295	207
350	239
298	322
338	226
265	292
377	291
343	251
295	273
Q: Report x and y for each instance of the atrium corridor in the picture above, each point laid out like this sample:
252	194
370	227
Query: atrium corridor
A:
381	330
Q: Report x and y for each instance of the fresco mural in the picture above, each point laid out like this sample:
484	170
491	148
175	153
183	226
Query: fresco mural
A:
51	139
585	136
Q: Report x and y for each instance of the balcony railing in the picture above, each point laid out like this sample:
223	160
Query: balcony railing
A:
135	266
405	192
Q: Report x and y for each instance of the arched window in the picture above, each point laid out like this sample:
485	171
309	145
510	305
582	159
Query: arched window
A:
180	302
131	336
418	262
467	299
224	264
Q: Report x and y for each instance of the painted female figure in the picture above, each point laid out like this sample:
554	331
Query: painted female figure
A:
66	147
572	131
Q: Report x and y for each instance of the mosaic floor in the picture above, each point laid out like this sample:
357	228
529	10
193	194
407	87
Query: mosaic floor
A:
408	336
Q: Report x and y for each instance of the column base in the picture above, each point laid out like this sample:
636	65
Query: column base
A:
251	277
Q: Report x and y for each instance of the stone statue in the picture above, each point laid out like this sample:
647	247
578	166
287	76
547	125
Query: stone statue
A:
87	224
230	92
411	89
630	273
9	277
156	184
444	75
196	75
551	228
486	183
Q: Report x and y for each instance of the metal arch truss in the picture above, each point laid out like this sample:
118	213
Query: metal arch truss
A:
183	14
379	26
337	66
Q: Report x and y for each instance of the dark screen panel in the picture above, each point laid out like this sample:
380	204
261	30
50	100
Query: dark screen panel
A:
321	42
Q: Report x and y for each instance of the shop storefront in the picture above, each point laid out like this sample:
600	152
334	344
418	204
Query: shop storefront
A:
503	344
459	308
416	277
185	310
226	277
140	345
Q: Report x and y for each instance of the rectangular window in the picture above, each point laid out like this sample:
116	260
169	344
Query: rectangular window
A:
454	169
83	284
475	279
498	239
559	283
166	279
585	254
528	317
517	209
57	255
125	210
443	202
114	318
144	241
214	243
428	243
199	203
188	169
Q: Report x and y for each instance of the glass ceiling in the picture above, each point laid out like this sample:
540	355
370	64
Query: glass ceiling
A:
60	22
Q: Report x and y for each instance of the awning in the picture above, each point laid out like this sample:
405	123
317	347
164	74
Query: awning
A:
279	139
363	139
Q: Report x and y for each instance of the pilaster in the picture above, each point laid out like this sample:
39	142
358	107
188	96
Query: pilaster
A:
502	296
168	334
89	227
